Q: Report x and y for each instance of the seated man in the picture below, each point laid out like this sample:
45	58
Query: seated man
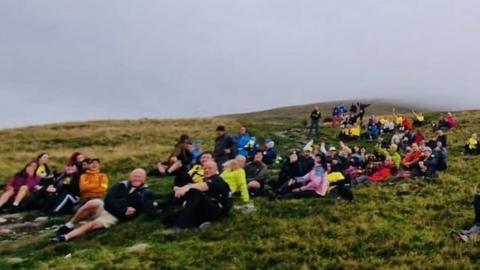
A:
427	165
234	175
203	202
269	152
472	233
196	173
256	172
93	184
125	201
243	142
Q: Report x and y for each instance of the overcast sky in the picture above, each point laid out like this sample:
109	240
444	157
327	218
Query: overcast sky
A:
89	59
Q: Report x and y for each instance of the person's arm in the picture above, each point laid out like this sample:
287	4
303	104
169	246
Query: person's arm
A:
181	191
103	182
148	203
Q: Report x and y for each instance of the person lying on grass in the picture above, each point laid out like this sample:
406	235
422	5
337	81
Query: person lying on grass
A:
124	201
20	186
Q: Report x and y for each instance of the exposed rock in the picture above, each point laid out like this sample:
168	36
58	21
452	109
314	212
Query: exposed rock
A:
138	248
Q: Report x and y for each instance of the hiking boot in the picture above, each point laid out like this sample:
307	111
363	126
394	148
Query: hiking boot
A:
63	230
459	237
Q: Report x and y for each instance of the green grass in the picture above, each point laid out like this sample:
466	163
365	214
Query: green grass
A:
386	227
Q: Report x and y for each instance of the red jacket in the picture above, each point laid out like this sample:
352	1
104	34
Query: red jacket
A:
381	174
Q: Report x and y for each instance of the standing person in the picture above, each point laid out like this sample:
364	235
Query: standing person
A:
20	186
362	110
203	202
125	201
224	147
315	116
243	142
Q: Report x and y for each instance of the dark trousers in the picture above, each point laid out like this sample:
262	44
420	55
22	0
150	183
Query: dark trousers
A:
198	208
313	126
300	194
476	204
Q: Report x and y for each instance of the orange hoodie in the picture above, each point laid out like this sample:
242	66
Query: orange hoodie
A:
93	184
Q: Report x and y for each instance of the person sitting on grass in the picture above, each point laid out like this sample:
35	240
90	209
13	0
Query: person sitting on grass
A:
202	202
124	201
312	185
93	183
196	173
290	169
412	157
20	186
256	172
378	172
391	153
178	162
234	175
471	148
43	169
427	165
419	119
269	152
474	231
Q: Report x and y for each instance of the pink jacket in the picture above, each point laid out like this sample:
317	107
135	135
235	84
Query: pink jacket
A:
319	184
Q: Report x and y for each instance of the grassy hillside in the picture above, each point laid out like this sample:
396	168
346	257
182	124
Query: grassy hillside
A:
300	113
404	226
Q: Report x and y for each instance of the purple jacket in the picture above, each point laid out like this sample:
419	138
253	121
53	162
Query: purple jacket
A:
317	181
17	181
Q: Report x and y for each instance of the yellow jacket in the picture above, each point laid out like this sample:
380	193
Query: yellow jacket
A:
93	184
197	173
472	143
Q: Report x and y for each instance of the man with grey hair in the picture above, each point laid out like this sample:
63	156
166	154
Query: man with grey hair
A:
124	201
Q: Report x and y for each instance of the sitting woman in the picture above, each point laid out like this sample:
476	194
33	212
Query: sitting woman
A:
312	185
234	175
447	122
20	186
471	148
474	231
256	172
43	169
179	161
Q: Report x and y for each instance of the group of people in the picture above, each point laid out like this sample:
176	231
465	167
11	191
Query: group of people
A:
205	181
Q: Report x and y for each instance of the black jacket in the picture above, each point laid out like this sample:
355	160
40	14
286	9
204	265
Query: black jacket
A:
120	197
315	115
221	143
219	190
